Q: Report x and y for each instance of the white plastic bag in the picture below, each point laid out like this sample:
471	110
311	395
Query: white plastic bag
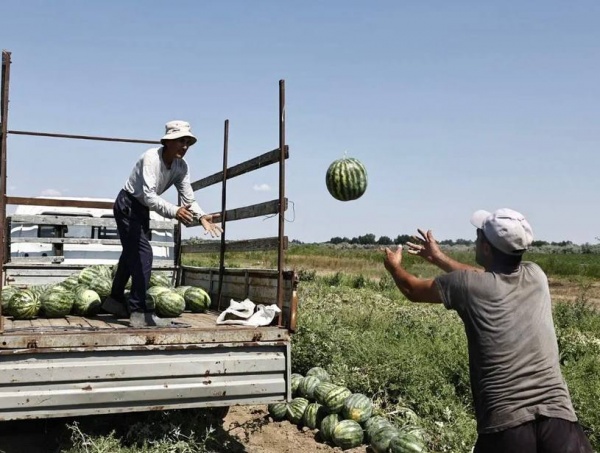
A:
244	313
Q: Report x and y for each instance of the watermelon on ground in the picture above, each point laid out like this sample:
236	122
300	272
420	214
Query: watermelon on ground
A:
295	410
346	179
357	407
319	373
328	424
347	434
277	410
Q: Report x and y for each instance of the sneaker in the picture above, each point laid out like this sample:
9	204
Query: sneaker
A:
115	308
140	319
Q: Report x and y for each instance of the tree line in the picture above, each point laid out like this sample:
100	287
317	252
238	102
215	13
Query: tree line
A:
371	239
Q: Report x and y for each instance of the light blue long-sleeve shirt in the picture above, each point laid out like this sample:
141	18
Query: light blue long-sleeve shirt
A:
150	178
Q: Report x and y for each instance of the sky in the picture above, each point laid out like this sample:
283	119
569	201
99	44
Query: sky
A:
451	106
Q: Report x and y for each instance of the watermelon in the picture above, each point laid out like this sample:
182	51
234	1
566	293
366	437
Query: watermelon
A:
334	399
56	303
346	179
307	387
102	286
313	415
406	416
347	434
71	282
7	293
374	423
328	424
321	391
320	373
88	275
407	443
357	407
169	304
152	295
380	438
197	300
181	290
24	304
159	279
295	382
295	410
87	302
278	410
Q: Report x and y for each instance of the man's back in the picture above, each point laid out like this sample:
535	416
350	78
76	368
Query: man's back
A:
513	353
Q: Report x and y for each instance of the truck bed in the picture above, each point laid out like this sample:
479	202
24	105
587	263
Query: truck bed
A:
105	330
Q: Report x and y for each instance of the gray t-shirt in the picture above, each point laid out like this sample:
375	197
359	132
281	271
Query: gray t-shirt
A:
150	178
513	352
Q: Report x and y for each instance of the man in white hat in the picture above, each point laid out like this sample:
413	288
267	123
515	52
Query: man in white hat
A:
154	172
522	403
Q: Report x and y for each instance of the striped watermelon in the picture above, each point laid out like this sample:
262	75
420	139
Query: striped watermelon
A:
196	300
181	290
320	373
7	293
87	302
313	415
56	303
159	279
357	407
334	399
152	295
407	443
277	410
88	275
71	282
328	424
295	379
346	179
307	387
24	304
347	434
374	423
321	391
102	286
295	410
380	438
169	304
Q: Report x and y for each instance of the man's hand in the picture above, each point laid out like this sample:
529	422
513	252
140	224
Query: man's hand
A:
392	259
211	228
184	215
427	247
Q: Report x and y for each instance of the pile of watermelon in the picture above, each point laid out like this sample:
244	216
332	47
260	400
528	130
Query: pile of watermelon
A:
346	419
82	294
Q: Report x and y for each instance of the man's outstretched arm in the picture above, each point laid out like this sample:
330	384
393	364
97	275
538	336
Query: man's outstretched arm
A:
428	249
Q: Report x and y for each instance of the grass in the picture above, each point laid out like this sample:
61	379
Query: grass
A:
403	354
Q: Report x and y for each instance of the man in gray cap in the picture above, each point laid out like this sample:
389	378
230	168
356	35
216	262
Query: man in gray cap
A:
522	403
155	171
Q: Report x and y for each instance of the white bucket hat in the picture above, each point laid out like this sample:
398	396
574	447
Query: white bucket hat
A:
177	129
507	230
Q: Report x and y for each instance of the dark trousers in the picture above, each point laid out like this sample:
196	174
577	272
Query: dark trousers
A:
543	435
133	225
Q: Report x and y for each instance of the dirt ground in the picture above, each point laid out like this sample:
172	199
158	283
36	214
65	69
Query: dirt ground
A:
249	429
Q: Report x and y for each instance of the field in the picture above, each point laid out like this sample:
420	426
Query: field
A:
354	322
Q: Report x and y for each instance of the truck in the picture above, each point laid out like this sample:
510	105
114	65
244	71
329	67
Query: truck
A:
84	365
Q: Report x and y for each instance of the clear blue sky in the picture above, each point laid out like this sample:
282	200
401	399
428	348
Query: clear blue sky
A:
452	106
